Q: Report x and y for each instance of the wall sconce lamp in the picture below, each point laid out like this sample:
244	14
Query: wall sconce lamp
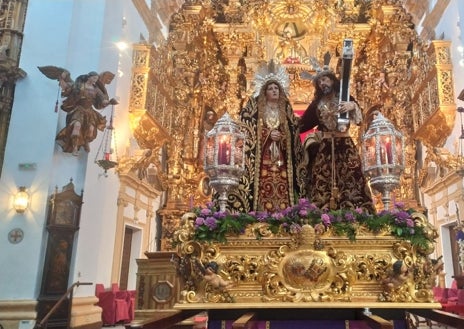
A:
21	200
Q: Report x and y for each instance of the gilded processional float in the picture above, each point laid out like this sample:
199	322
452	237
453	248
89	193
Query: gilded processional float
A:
301	257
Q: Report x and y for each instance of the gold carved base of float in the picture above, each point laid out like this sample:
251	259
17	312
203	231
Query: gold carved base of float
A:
297	306
304	269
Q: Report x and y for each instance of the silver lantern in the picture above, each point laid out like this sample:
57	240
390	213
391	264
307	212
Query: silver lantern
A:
383	156
224	157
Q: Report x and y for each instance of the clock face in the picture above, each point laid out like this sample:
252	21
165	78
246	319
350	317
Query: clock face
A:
66	213
162	291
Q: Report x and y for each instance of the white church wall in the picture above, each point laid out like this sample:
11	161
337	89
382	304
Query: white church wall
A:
95	253
451	27
93	256
79	36
31	140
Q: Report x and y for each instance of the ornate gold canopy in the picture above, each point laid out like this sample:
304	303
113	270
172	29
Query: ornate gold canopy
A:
213	48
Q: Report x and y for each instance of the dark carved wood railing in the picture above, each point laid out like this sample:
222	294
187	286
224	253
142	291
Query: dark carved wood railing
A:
43	323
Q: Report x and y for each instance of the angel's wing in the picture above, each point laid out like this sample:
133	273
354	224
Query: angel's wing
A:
315	63
305	75
55	72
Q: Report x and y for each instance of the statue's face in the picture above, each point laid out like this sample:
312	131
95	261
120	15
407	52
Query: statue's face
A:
326	84
272	92
93	79
210	117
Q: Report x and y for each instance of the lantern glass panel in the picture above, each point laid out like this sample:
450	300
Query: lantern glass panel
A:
209	152
369	150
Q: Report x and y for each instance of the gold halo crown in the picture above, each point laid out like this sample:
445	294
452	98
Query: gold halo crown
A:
271	71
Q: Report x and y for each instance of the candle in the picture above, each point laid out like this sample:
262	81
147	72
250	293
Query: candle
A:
224	153
383	155
107	156
228	154
221	153
389	152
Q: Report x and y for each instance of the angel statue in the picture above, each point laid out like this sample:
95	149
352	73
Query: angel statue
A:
83	97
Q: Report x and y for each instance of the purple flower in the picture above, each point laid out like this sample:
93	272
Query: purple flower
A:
399	205
349	217
325	219
286	211
205	211
312	207
303	202
384	212
303	212
199	221
220	214
338	218
277	215
359	211
402	215
403	218
211	222
409	222
261	216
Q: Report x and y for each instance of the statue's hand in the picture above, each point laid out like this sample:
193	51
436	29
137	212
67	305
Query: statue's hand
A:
346	107
113	101
276	135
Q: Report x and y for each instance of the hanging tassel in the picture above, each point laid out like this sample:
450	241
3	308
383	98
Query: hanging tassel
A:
334	198
334	193
57	98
